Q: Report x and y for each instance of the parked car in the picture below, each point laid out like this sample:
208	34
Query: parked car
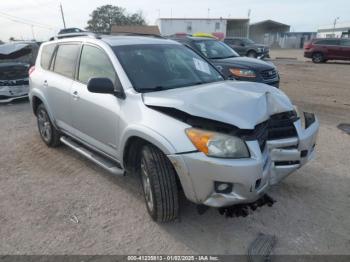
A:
153	107
15	61
230	63
247	47
70	30
323	49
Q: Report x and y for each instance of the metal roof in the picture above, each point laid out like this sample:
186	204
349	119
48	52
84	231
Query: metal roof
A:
269	22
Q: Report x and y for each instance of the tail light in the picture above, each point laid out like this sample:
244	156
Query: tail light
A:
31	70
308	45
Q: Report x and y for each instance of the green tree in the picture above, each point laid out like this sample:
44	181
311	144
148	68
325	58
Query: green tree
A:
103	17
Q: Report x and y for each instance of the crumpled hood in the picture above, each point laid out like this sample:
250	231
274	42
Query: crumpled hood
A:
242	104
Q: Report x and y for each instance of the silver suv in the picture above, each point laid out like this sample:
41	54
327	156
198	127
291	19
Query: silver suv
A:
153	107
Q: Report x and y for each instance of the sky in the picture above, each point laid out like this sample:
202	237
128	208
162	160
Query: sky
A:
42	18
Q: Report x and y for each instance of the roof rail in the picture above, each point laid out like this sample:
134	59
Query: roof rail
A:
68	35
136	34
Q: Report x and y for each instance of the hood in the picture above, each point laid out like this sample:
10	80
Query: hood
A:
245	62
242	104
7	49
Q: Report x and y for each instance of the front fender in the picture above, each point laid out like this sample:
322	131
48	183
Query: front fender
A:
147	134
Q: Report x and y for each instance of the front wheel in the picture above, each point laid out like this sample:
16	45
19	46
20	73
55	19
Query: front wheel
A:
49	134
159	184
318	58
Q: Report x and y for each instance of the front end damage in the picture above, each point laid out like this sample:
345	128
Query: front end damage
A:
272	160
279	141
15	60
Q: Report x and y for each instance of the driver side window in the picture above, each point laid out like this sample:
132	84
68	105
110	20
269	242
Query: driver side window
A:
94	62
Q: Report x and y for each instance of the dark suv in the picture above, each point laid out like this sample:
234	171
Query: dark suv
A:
321	50
230	63
247	47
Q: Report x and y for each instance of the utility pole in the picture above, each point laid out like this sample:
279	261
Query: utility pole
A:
334	24
248	26
64	22
208	12
33	32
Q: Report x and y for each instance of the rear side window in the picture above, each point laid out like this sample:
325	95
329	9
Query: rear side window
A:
327	42
94	62
46	55
345	42
66	58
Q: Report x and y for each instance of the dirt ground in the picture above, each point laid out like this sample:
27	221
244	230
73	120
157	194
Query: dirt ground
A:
52	201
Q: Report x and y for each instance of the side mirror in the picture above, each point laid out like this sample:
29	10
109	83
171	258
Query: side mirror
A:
101	85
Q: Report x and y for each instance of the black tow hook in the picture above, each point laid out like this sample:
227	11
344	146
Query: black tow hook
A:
240	210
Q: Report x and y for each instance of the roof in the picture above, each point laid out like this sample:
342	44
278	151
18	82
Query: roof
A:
269	22
140	29
135	40
345	25
202	18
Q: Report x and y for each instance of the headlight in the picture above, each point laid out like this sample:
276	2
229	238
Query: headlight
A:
243	72
260	50
307	119
217	145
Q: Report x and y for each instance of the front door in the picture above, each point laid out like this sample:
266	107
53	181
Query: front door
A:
95	116
345	48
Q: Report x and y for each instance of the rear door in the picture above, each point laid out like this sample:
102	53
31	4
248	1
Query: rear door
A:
345	48
95	116
329	47
57	83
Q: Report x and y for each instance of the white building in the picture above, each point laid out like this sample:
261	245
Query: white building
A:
340	30
226	26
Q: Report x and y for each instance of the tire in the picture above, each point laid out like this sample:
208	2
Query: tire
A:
252	54
318	58
48	133
158	179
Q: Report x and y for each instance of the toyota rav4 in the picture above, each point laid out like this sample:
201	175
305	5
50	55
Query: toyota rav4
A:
155	108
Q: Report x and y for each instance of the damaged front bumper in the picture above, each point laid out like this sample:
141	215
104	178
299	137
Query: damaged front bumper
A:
9	93
250	178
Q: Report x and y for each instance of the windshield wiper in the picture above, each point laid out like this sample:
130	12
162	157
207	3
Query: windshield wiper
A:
152	89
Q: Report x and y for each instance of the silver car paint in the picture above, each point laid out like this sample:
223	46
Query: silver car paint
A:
242	104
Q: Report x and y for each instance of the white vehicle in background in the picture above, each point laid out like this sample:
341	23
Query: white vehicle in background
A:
15	61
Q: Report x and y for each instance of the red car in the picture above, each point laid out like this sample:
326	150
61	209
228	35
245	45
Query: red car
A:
323	49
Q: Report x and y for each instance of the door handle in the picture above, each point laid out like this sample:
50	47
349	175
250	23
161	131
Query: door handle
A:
75	95
45	84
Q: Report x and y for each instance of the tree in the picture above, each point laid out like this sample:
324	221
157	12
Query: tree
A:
103	17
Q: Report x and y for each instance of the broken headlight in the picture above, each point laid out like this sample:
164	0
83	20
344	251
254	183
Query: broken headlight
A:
218	145
307	119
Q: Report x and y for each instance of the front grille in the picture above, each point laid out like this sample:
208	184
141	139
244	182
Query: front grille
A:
19	82
269	74
279	126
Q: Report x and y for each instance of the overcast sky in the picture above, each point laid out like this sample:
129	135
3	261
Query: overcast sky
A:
16	16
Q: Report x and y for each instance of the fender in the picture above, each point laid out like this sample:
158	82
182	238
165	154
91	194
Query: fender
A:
147	134
39	94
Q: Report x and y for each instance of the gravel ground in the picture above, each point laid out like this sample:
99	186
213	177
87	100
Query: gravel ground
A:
52	201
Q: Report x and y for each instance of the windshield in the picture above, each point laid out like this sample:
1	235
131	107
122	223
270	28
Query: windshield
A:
159	67
248	41
213	49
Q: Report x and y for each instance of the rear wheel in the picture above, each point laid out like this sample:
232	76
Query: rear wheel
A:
252	54
318	58
49	134
159	184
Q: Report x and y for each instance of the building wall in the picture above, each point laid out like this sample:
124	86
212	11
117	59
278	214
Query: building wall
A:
330	33
191	26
